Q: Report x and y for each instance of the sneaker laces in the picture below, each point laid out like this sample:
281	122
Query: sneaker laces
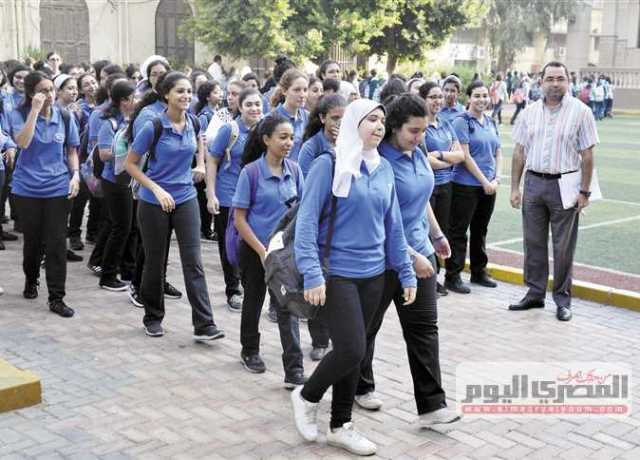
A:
352	433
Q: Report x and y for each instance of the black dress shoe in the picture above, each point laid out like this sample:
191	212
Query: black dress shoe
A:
483	280
456	285
2	248
526	304
73	257
30	290
564	314
441	290
6	236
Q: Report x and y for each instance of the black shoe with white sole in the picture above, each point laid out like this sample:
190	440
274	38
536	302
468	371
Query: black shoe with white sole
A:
154	330
253	363
208	333
114	285
170	292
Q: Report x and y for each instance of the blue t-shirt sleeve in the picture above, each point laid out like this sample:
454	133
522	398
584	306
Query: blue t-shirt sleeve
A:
316	189
396	244
143	139
242	196
74	133
461	128
204	122
306	156
16	123
105	136
219	145
451	130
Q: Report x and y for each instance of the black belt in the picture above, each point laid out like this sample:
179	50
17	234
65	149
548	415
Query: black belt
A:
549	176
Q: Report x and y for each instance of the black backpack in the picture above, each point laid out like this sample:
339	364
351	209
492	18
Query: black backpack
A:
280	271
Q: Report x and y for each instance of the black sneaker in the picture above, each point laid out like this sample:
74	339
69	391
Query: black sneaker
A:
208	236
6	236
60	308
171	292
134	296
95	269
483	279
272	314
73	257
2	248
207	333
30	290
253	363
114	285
234	303
75	243
456	285
441	290
295	380
154	330
91	239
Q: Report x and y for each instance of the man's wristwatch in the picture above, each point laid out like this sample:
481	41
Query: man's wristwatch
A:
585	193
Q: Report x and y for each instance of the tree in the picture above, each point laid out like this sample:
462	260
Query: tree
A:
419	25
511	24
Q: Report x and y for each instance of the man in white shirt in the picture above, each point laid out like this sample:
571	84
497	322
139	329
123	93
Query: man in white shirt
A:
215	69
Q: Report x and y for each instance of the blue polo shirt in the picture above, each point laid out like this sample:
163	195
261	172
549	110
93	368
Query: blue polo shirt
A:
105	141
11	100
299	123
440	138
41	169
148	113
414	185
449	113
204	117
170	167
95	122
5	144
272	193
228	171
86	108
314	146
367	229
484	141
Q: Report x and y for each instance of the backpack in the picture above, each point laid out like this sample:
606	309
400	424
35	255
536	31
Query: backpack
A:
518	96
120	149
232	237
281	272
157	133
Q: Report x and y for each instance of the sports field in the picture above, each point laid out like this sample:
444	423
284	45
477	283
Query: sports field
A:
609	229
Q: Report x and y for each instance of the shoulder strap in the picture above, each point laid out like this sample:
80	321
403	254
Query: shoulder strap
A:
114	124
233	137
332	218
195	122
157	132
293	167
253	171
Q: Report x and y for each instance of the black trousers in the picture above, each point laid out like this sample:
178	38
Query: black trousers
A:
205	216
136	279
95	214
419	323
155	227
519	108
44	221
231	275
471	210
78	206
441	204
119	246
103	235
2	174
255	290
350	307
5	192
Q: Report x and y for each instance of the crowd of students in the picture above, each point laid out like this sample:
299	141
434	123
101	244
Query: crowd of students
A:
153	151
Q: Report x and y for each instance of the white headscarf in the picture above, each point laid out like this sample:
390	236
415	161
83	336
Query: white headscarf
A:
349	147
144	67
60	80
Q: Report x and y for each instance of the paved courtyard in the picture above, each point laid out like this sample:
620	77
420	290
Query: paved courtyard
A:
110	392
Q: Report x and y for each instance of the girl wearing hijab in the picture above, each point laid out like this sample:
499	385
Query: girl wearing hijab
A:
151	70
46	177
276	183
414	180
368	234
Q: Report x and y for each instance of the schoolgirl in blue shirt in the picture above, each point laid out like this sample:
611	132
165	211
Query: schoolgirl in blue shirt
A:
117	194
45	178
251	82
279	183
475	183
209	96
167	199
315	93
294	86
87	89
322	131
444	151
451	87
414	180
223	169
368	234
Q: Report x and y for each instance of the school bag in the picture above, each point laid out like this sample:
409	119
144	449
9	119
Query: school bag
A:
147	157
281	273
120	149
518	96
232	237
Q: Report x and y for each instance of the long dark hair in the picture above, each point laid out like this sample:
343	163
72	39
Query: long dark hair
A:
255	146
394	86
399	109
323	67
119	92
30	82
15	70
150	97
325	105
104	92
203	94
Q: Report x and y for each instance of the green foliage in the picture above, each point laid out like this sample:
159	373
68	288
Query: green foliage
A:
512	24
36	54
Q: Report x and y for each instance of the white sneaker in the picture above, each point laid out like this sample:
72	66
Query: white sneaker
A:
350	440
305	415
369	401
443	416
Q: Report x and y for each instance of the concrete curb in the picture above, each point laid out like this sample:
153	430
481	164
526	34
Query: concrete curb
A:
18	388
581	289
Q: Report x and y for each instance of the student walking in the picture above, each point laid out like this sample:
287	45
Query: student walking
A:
294	86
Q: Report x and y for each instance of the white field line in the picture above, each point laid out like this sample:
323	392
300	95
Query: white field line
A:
578	264
585	227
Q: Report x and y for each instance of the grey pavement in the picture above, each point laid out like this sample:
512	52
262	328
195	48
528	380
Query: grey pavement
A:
110	392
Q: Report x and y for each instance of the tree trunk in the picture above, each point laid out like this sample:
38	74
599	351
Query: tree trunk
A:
392	61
